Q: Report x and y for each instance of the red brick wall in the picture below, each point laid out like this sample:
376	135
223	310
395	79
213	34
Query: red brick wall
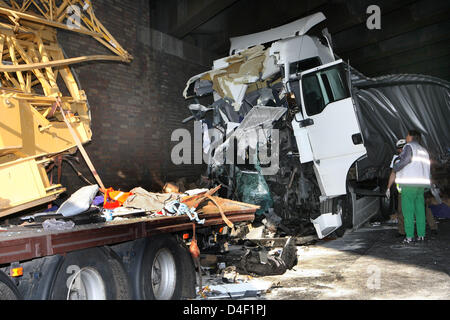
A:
135	107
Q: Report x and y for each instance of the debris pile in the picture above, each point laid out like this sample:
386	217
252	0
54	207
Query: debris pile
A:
234	272
250	136
92	205
227	267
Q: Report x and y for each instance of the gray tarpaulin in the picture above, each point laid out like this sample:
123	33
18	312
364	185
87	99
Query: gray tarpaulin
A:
389	106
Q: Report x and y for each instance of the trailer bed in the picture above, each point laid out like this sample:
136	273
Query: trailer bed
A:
21	243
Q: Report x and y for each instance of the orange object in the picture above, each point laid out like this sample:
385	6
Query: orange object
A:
171	188
114	199
119	196
193	248
16	272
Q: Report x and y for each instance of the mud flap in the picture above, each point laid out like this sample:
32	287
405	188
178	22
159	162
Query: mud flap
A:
363	208
329	220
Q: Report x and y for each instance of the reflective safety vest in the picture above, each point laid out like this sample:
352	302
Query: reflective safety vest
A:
114	199
417	172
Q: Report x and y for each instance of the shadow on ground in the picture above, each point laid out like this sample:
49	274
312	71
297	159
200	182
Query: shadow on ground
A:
369	263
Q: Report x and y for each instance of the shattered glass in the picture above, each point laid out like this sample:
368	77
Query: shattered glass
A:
252	188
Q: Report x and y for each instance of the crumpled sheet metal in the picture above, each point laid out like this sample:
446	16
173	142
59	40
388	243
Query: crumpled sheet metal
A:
259	118
232	75
298	27
389	106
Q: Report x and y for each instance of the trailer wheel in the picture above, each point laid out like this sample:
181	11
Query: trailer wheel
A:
91	274
161	270
8	290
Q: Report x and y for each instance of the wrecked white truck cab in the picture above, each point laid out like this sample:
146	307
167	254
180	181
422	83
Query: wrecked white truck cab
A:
291	68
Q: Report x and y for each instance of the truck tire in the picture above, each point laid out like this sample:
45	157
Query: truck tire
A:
8	290
161	269
91	274
343	204
38	277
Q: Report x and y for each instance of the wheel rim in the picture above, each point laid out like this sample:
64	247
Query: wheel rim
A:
88	285
163	275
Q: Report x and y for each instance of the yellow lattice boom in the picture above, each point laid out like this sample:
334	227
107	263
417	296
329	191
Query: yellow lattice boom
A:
32	69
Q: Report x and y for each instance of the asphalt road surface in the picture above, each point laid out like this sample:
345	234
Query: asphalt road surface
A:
368	264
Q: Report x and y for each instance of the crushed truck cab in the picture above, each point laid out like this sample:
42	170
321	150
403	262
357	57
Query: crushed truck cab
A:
292	67
333	136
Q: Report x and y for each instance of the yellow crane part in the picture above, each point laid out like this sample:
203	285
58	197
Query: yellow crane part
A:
32	133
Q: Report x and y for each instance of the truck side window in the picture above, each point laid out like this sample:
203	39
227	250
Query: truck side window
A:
312	95
323	87
303	65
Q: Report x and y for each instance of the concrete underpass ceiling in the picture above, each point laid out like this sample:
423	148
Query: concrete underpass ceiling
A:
414	35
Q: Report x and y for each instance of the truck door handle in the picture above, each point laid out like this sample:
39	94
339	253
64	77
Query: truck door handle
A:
306	123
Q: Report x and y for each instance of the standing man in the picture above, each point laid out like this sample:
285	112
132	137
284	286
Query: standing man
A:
413	176
429	215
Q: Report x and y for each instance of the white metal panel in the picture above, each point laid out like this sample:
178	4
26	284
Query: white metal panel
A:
332	173
301	137
331	133
300	48
298	27
331	141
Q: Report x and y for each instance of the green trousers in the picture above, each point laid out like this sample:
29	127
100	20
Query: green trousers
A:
413	206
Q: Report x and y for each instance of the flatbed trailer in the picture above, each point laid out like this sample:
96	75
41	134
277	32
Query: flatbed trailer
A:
41	264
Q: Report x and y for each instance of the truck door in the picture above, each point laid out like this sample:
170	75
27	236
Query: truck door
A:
332	126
